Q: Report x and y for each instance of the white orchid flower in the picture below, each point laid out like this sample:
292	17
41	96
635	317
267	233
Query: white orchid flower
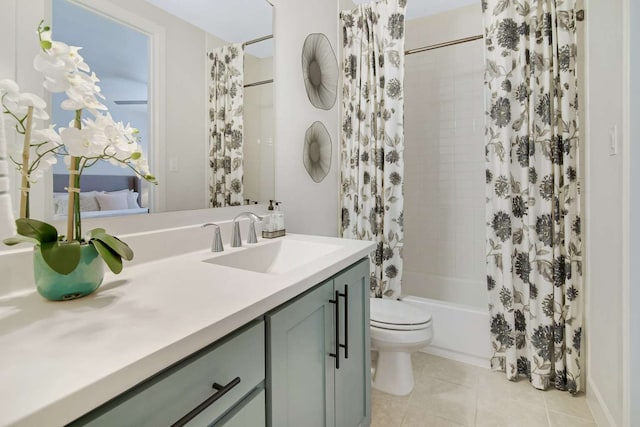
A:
49	134
82	142
65	71
18	103
26	100
9	88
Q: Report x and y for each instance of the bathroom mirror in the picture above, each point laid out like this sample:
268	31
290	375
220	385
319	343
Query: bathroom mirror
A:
152	57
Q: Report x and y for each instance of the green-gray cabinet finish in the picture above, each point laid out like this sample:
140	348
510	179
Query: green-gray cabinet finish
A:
308	387
301	372
168	396
353	379
252	414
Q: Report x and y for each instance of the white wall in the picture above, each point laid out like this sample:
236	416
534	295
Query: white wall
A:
633	160
310	208
604	202
185	98
7	39
444	183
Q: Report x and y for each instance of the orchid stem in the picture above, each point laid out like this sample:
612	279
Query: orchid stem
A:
73	206
24	190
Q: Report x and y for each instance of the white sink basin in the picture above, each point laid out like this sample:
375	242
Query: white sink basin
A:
275	257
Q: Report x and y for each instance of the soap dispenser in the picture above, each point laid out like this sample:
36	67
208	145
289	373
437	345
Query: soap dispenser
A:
279	217
273	223
268	223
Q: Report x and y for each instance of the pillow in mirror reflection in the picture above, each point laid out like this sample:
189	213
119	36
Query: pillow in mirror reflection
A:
88	202
132	197
113	201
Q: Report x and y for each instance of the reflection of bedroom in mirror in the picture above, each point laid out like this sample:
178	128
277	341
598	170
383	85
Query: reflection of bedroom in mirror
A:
107	189
154	61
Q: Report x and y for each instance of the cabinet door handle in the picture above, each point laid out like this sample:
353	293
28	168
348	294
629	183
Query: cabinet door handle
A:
346	321
336	301
220	391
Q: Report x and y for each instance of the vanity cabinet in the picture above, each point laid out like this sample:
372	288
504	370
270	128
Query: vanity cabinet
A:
318	355
306	363
221	385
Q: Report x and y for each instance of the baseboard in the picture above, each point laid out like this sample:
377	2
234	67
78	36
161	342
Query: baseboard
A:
599	409
458	357
461	332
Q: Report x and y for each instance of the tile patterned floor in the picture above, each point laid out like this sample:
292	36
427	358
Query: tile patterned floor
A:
452	394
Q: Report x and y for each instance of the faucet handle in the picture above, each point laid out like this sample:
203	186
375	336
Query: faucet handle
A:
236	239
216	245
252	233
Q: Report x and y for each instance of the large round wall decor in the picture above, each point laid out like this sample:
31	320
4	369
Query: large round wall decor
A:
317	151
320	71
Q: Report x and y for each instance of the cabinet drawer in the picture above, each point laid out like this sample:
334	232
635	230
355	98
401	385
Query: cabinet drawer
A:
169	396
252	414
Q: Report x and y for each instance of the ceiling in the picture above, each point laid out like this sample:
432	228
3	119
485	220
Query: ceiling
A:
420	8
235	21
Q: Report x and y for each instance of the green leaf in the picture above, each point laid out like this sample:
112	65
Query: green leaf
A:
113	243
38	230
111	258
62	257
14	240
95	231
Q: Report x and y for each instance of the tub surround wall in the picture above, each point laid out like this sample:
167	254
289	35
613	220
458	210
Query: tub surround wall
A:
444	161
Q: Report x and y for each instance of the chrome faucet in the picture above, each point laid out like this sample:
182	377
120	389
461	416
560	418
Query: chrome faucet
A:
216	244
236	240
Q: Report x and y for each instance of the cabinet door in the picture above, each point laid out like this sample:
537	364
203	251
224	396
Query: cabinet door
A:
353	379
301	377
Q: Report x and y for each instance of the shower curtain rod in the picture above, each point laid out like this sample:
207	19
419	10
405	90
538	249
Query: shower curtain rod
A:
258	40
261	82
439	45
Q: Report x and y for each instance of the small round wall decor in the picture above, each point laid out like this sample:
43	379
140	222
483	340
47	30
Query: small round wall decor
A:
320	71
317	152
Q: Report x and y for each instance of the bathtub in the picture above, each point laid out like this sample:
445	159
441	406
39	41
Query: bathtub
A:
460	332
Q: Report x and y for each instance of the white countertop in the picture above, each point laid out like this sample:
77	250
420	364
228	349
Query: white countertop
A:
59	360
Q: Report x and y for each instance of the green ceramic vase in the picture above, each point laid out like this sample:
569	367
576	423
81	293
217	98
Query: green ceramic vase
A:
82	281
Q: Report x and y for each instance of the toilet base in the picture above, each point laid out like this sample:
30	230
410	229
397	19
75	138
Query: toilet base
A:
394	373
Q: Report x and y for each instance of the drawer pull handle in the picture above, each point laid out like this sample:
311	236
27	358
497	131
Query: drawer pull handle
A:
336	301
220	391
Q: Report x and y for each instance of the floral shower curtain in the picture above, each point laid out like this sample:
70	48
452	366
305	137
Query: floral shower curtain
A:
226	91
534	246
372	139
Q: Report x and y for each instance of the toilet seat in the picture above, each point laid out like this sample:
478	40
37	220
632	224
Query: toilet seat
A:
397	315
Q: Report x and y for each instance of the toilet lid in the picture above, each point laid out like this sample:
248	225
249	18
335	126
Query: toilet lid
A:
398	315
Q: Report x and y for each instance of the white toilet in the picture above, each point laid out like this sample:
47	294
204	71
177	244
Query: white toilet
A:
397	330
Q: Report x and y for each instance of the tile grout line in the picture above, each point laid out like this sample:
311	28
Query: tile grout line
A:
546	410
475	414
